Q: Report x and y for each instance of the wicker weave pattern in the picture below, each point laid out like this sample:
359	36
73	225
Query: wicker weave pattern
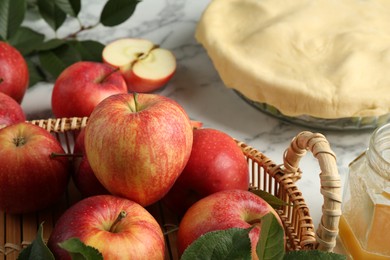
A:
278	180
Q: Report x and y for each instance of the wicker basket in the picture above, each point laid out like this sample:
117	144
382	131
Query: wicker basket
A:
19	230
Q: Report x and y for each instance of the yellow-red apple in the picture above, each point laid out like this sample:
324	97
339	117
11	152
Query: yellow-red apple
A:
117	227
138	144
223	210
145	66
30	178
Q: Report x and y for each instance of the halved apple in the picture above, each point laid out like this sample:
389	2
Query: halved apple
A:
145	66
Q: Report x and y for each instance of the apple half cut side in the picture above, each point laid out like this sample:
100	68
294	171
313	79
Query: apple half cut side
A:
145	66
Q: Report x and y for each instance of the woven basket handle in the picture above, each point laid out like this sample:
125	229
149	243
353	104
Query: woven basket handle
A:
330	182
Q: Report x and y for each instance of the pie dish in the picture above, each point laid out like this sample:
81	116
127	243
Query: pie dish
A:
321	59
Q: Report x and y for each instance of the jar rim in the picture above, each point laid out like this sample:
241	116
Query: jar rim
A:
376	136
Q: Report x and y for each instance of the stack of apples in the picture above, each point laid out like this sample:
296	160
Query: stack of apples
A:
143	149
137	149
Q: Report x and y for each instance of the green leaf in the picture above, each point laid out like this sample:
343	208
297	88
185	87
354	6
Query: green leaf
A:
117	11
35	73
51	13
313	254
26	40
274	201
37	250
70	7
56	60
89	50
78	250
231	244
11	17
52	44
271	242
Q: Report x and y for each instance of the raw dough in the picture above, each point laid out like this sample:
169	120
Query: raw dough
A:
323	58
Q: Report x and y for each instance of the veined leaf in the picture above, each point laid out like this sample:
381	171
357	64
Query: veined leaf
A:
229	244
37	250
271	242
56	60
35	74
117	11
89	50
78	250
274	201
11	17
70	7
52	44
51	13
26	40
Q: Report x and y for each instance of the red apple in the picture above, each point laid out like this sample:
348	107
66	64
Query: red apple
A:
30	179
138	144
10	111
81	86
14	75
145	66
216	163
223	210
83	176
119	228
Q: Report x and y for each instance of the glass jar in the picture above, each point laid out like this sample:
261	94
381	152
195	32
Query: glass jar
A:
365	221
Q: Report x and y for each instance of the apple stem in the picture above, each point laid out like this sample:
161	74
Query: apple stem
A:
106	76
1	80
135	95
121	216
54	155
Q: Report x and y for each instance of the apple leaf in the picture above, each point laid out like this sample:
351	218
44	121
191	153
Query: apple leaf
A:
313	254
89	50
78	250
26	40
271	242
51	13
117	11
11	17
233	243
37	250
70	7
56	60
52	44
274	201
35	73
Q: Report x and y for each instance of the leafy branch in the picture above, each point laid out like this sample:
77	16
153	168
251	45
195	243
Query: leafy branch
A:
48	57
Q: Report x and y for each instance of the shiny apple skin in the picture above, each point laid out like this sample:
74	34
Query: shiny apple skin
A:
138	153
136	236
83	85
10	111
14	74
223	210
30	178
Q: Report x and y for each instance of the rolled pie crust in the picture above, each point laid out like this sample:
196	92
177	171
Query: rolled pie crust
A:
323	58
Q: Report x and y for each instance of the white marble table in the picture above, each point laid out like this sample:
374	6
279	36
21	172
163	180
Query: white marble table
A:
198	88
